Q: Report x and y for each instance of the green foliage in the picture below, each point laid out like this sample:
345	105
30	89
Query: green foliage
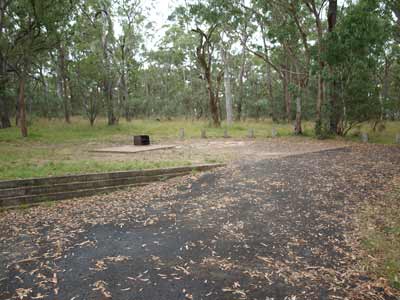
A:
118	71
31	28
258	109
354	51
379	229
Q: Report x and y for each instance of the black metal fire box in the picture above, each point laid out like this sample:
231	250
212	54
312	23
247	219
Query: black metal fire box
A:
141	140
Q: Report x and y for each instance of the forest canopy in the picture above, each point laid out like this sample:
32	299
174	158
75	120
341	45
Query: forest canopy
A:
336	63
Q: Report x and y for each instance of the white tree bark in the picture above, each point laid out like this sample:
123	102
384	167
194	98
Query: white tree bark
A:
298	128
108	85
228	89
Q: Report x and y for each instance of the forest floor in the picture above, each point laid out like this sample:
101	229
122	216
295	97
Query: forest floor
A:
55	148
265	227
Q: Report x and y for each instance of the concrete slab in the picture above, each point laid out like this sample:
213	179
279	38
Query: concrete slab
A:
129	149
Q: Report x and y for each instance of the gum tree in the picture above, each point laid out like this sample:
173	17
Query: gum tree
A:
30	29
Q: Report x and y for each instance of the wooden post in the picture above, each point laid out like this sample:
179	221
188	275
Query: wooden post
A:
250	133
182	133
398	138
274	132
226	135
203	134
364	137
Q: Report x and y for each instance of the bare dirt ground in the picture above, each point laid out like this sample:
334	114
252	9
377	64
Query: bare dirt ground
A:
276	223
221	150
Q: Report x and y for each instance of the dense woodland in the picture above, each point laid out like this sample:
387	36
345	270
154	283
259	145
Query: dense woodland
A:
336	63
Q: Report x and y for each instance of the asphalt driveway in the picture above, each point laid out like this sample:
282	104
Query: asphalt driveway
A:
263	229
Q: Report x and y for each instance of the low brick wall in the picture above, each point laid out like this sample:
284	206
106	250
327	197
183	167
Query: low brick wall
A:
14	193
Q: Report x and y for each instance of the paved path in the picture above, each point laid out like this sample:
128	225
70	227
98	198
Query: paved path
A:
270	229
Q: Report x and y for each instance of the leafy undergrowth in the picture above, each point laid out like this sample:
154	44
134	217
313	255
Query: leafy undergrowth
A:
385	133
379	226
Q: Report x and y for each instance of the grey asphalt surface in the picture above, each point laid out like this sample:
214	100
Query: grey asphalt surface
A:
270	229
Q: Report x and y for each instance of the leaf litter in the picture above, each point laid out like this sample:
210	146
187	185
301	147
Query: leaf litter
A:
286	229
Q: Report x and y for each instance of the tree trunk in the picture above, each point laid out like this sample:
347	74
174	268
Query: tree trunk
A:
93	109
4	110
239	102
286	93
334	103
107	29
214	110
4	117
228	90
59	86
297	129
385	91
320	100
332	15
123	87
213	104
62	88
22	107
204	58
287	80
213	99
125	97
17	103
334	107
321	82
46	96
270	91
111	119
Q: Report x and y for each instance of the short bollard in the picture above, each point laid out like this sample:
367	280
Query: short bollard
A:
250	133
364	137
398	138
274	132
182	133
226	135
203	134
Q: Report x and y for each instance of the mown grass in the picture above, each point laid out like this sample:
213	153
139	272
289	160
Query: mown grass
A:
57	168
384	134
56	148
57	131
380	233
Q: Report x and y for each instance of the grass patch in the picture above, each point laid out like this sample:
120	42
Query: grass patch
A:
24	206
384	134
380	232
48	203
58	168
57	131
56	148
